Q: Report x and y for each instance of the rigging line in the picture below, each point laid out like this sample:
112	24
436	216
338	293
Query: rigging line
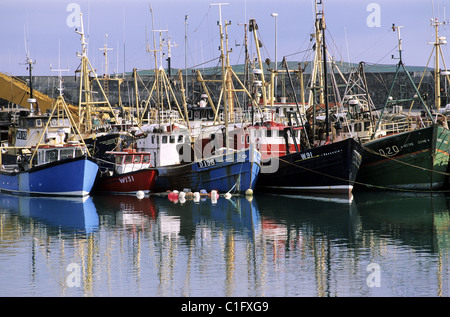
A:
206	15
334	44
377	62
263	45
212	60
374	43
299	52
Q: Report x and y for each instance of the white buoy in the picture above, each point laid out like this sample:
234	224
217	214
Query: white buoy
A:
196	197
249	192
181	195
227	195
140	194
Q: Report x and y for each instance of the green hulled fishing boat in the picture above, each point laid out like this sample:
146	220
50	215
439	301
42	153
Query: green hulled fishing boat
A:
416	159
415	156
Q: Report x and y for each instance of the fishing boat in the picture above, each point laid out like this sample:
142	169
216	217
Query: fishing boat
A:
326	167
182	159
50	167
181	166
132	172
234	172
413	159
64	170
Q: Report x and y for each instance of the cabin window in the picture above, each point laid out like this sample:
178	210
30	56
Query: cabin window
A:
137	159
118	159
51	156
146	159
153	139
180	139
164	139
269	133
79	151
38	122
128	159
172	139
66	153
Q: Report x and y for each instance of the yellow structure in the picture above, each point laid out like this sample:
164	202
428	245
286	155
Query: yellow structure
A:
17	91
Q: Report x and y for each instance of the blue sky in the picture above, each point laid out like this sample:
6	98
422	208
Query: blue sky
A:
43	25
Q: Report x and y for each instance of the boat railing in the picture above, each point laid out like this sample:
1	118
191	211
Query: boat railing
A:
407	124
165	116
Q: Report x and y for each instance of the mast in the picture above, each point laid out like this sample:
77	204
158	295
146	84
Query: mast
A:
400	66
105	50
325	93
316	70
29	62
252	28
440	40
85	87
224	75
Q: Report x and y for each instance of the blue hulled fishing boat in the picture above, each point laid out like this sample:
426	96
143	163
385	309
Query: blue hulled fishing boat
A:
54	170
234	172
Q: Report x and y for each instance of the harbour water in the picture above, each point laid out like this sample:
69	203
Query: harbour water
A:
380	244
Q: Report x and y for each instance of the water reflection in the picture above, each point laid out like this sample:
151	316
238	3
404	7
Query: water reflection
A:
260	246
407	235
70	215
419	221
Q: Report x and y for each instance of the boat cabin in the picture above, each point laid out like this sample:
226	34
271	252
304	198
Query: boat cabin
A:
52	153
28	130
274	139
165	144
129	160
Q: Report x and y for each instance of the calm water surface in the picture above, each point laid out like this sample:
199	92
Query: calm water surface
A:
380	244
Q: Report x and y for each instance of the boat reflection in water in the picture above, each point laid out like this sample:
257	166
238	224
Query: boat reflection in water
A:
67	214
247	247
407	235
179	219
126	211
418	220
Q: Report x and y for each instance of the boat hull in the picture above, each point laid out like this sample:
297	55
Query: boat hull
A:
328	169
235	173
415	160
71	177
127	183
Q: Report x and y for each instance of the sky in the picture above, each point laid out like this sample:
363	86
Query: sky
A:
357	30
